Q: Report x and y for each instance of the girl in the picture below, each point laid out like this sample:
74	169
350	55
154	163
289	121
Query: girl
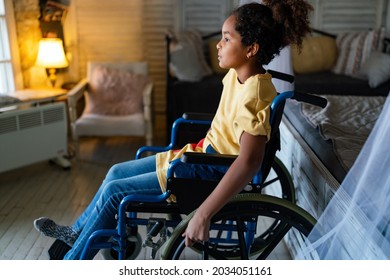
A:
251	37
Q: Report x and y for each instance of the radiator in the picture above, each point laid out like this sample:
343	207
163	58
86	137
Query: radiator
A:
32	135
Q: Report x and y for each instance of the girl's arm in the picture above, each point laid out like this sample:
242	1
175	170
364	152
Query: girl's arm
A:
236	178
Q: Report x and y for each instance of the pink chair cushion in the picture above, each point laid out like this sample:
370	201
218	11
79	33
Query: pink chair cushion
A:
115	92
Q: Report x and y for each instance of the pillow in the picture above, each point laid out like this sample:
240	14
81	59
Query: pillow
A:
187	58
317	54
214	62
115	92
376	69
354	49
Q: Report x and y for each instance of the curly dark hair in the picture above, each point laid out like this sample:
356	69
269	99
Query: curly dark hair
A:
273	25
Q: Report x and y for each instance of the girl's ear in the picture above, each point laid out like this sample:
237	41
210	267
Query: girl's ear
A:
253	50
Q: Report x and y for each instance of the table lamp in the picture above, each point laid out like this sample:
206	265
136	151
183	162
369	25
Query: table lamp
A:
51	55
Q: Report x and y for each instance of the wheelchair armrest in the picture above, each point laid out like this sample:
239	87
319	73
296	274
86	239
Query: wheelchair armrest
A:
187	118
201	159
207	159
151	149
211	159
198	116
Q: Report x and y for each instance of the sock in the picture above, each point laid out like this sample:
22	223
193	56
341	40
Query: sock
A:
49	228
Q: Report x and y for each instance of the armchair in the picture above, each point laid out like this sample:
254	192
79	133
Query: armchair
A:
118	100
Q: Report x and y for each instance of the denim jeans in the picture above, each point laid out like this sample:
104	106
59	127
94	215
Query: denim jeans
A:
131	177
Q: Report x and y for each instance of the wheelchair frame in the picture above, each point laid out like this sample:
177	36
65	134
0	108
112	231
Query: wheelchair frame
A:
240	233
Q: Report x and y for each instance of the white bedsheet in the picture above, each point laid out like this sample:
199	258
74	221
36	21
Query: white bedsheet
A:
347	121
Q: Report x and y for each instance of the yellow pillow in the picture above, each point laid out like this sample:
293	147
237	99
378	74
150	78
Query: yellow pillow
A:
317	54
214	57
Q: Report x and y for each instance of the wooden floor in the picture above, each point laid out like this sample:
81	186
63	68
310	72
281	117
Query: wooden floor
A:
44	189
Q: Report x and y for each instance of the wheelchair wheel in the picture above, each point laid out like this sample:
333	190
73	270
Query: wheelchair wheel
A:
133	248
230	227
278	182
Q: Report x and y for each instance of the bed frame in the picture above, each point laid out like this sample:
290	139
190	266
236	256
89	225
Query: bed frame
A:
314	184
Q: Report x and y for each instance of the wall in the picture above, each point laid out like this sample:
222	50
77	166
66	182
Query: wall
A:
28	34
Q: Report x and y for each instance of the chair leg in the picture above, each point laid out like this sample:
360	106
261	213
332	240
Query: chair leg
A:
76	149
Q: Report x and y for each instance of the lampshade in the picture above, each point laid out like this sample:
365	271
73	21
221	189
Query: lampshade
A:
51	53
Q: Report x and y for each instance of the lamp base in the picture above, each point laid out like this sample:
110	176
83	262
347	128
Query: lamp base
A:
51	73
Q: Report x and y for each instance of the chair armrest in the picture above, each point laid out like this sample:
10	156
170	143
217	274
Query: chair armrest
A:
73	96
78	90
148	115
147	100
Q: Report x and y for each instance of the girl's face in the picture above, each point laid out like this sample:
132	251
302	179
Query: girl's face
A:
231	52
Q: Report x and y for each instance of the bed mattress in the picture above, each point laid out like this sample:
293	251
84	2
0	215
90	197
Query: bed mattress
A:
337	133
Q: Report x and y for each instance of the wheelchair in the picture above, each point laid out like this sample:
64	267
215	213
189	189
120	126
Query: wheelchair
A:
250	226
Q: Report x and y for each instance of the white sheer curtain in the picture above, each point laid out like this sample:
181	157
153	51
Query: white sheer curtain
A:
281	63
355	224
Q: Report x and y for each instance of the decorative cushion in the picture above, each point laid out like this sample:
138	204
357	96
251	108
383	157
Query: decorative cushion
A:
187	57
317	54
354	49
376	68
115	92
214	62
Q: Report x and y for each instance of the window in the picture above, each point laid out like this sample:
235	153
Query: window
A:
336	16
7	81
6	74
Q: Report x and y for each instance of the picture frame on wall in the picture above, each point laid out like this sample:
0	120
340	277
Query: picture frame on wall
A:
52	16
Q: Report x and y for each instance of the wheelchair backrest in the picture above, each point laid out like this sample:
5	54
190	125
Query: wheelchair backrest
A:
273	145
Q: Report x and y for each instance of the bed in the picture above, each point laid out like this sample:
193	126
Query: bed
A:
319	146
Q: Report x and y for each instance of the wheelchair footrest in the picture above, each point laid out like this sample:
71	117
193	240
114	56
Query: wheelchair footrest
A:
58	250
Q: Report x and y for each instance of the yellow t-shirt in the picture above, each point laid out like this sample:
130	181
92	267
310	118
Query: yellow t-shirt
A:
243	107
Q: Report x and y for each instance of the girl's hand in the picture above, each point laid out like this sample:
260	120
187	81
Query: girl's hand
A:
197	230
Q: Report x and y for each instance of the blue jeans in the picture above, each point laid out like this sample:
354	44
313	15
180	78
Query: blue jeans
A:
131	177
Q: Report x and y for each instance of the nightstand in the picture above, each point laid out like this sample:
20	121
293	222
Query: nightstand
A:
39	95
